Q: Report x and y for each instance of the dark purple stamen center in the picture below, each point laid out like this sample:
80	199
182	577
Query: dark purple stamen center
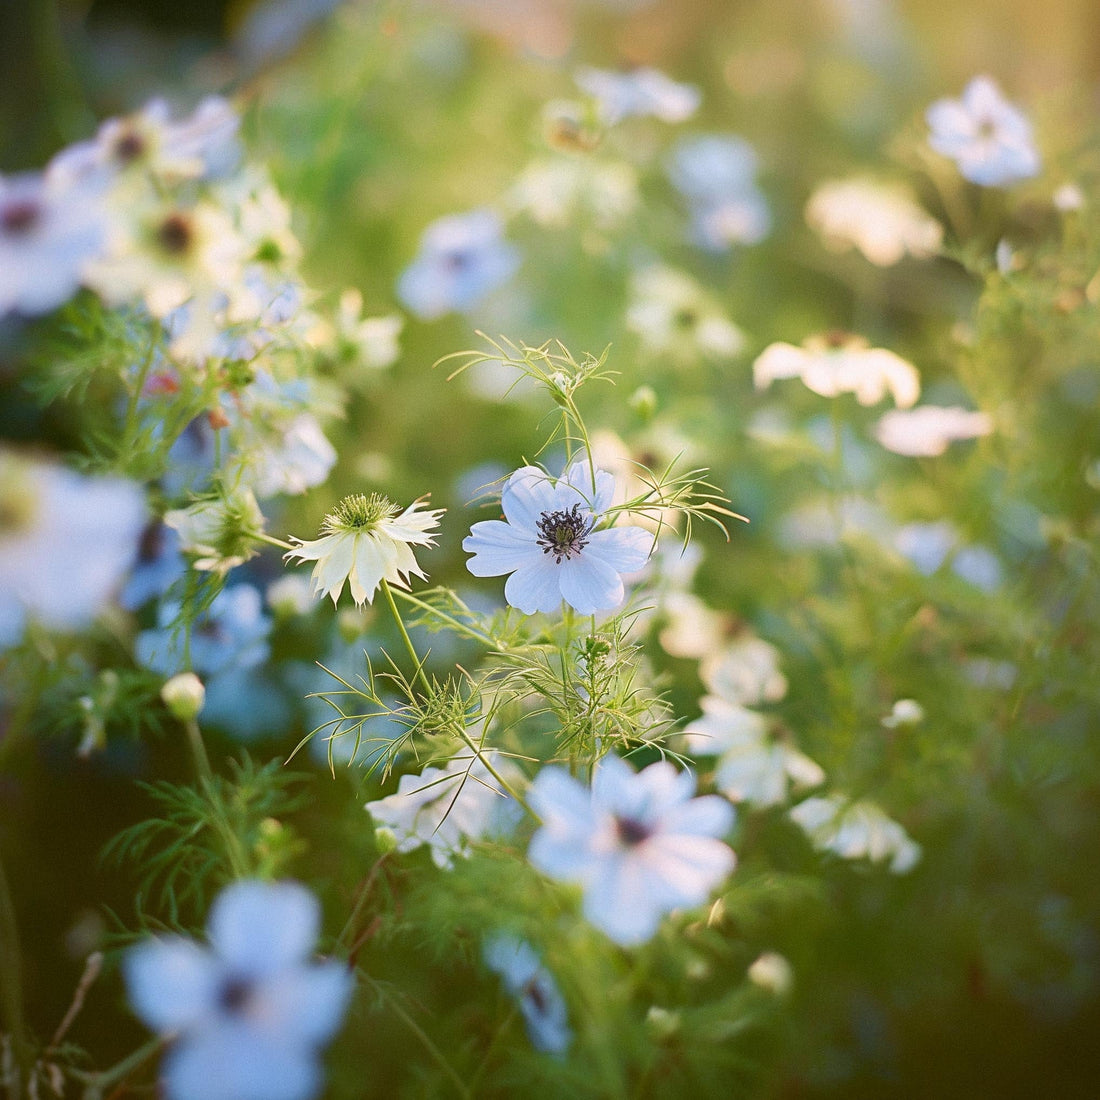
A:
564	534
175	234
631	831
234	994
18	217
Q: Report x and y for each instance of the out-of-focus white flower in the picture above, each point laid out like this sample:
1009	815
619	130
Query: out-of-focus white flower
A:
559	192
371	341
300	458
549	546
690	628
169	255
462	258
905	712
149	143
448	808
247	1015
840	363
639	94
987	137
638	844
745	671
882	220
366	540
1068	199
184	695
261	215
290	595
723	726
534	989
772	972
674	316
929	430
66	542
48	233
856	830
716	174
218	533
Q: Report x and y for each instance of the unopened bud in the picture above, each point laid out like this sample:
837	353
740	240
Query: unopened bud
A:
643	402
184	696
771	972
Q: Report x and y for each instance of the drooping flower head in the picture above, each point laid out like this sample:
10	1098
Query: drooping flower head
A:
249	1013
551	544
366	540
638	844
534	989
987	137
856	830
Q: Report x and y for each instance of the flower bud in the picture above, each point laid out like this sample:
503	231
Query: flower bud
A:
906	712
184	696
385	840
771	972
643	402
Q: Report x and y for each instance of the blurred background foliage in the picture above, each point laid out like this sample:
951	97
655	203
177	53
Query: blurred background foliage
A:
979	973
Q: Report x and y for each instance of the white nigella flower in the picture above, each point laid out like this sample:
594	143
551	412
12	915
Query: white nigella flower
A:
987	137
299	458
557	192
689	627
47	234
447	808
675	317
638	94
372	341
840	363
856	830
219	533
366	540
716	175
66	543
753	765
638	844
882	220
462	258
549	543
928	430
247	1015
534	989
745	671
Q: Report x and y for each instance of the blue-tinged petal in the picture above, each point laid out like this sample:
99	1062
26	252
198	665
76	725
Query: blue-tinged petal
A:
498	548
706	816
598	497
619	901
589	584
625	549
260	927
172	982
231	1060
683	870
526	495
534	586
560	800
308	1002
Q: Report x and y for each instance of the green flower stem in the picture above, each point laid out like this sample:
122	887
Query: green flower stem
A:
420	675
96	1084
198	750
259	536
425	1040
450	620
11	981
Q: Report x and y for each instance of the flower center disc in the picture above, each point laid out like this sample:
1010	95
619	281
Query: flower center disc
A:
563	534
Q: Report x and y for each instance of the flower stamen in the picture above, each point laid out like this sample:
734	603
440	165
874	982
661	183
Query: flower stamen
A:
564	534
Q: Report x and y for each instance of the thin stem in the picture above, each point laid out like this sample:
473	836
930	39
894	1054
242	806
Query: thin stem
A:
11	979
361	900
97	1083
198	750
425	1040
417	663
260	536
450	620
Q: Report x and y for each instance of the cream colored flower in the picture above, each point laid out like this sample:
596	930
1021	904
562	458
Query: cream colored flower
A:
882	220
929	430
365	541
841	363
219	533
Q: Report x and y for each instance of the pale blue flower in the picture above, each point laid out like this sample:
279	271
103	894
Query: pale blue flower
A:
534	989
716	175
66	542
462	258
639	93
232	634
988	138
248	1014
549	543
158	565
638	844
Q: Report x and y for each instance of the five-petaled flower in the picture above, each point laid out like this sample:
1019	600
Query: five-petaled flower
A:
248	1014
638	844
985	135
551	544
365	541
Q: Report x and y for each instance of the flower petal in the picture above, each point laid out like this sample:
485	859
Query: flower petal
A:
172	982
498	548
526	495
625	549
260	927
535	586
588	584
